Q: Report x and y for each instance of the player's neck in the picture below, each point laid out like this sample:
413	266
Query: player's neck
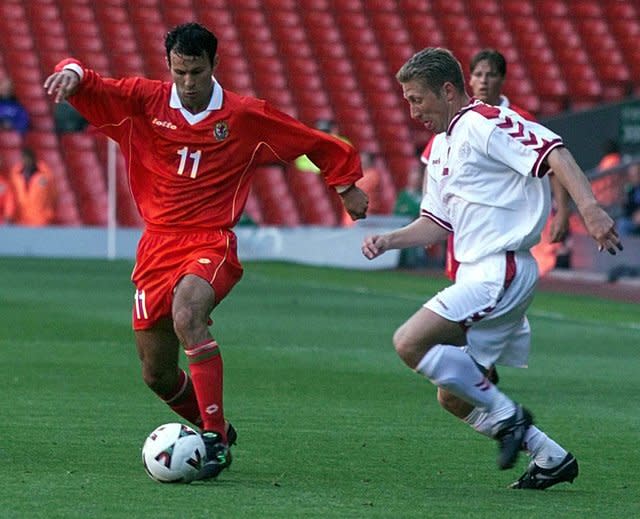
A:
198	105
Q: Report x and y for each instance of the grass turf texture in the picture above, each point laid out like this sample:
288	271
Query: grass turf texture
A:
330	423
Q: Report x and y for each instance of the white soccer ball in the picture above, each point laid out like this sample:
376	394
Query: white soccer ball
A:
173	453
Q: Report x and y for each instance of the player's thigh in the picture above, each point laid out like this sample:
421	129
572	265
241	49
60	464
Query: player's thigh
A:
425	328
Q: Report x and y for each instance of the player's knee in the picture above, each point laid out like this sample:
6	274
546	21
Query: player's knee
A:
186	323
405	348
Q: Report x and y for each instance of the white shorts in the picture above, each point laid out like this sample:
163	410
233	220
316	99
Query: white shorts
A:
489	299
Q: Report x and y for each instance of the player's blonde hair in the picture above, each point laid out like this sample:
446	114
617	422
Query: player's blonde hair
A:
433	66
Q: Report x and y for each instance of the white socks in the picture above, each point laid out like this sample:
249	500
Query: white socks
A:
479	420
452	369
544	451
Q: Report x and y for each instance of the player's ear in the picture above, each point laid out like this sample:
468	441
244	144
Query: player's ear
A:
449	90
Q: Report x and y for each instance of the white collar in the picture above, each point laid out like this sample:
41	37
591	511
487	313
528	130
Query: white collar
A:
215	103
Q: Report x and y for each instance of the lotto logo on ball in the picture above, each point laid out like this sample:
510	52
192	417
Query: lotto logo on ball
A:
173	453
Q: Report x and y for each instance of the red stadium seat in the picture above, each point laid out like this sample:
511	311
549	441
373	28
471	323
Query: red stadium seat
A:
551	9
176	15
450	7
10	139
241	5
332	59
621	11
280	5
320	21
77	15
419	7
388	191
12	11
274	197
67	210
312	198
383	5
252	209
349	6
517	9
425	32
314	5
39	140
86	175
585	9
146	15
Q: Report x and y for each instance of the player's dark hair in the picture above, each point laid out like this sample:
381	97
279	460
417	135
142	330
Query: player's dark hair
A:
495	59
433	66
191	39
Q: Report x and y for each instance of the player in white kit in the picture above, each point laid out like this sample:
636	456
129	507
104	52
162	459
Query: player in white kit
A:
487	183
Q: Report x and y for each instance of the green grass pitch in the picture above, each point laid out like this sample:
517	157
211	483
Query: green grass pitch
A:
330	422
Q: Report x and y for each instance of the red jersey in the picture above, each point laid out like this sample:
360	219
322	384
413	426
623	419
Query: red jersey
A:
197	176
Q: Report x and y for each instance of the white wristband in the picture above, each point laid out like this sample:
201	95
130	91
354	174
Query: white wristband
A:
75	68
342	189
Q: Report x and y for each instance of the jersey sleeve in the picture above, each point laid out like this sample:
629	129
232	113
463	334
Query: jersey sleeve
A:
287	138
106	103
522	145
432	207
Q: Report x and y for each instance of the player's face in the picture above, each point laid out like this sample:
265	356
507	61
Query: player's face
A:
192	77
486	83
425	106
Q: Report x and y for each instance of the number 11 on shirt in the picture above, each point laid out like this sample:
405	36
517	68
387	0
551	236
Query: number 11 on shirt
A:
184	154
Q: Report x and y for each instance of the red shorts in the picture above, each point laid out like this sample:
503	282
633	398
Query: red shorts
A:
163	259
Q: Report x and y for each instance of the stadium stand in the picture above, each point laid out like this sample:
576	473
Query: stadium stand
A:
315	59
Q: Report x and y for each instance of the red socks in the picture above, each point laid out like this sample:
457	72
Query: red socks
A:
183	400
205	365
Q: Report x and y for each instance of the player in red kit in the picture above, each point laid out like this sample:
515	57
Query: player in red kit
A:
191	148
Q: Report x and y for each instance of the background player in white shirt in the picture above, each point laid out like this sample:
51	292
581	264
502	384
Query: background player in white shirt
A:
486	184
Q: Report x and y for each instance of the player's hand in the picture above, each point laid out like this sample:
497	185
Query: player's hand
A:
374	246
602	228
356	202
62	84
559	227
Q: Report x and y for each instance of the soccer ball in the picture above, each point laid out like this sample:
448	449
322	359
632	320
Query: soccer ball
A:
173	453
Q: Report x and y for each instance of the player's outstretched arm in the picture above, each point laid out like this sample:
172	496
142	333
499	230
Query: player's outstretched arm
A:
599	224
355	201
560	221
62	84
421	232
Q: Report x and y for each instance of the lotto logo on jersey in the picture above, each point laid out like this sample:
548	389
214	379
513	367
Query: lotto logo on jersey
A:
164	124
221	131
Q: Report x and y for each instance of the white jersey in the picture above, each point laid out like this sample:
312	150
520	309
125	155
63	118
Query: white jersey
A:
486	181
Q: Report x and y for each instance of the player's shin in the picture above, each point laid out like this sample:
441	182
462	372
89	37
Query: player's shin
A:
205	364
451	368
182	400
